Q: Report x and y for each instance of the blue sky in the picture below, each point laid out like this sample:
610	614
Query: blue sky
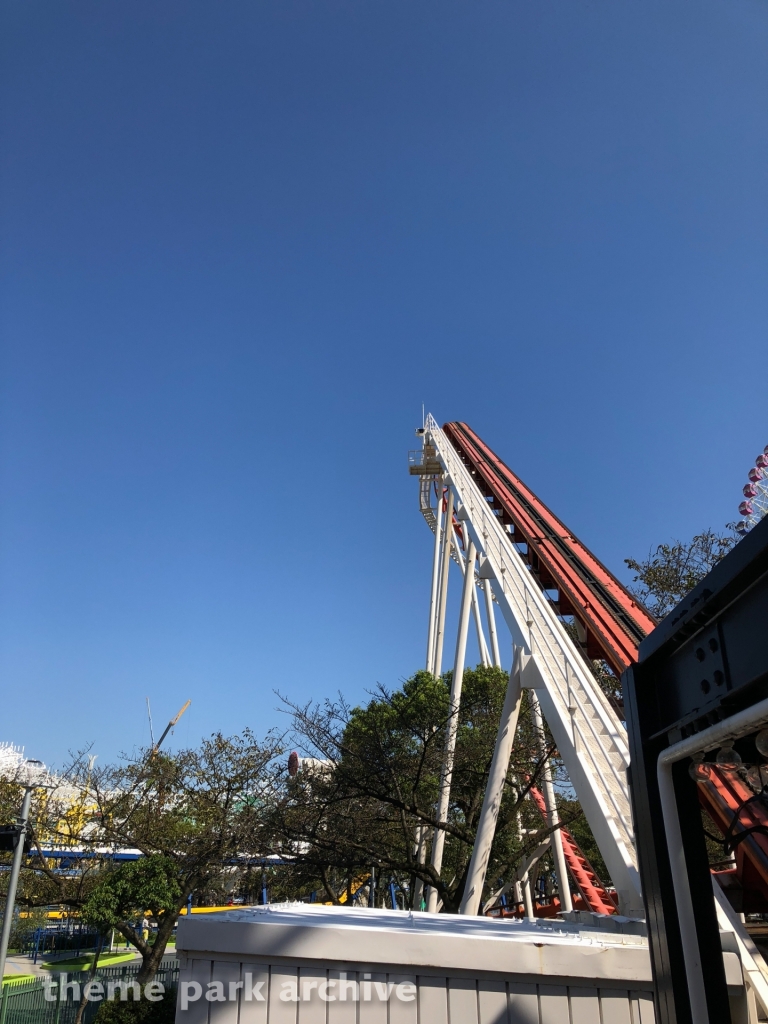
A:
242	242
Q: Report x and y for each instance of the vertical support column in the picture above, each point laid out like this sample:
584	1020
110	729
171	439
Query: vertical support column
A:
453	720
443	598
486	828
13	881
485	657
566	904
435	581
491	623
482	646
528	896
419	851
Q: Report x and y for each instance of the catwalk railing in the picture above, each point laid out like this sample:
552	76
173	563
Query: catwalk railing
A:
588	733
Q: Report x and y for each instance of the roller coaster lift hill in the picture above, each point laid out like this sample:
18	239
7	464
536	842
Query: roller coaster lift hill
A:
695	705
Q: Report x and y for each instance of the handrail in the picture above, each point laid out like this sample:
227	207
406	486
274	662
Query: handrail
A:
588	724
567	649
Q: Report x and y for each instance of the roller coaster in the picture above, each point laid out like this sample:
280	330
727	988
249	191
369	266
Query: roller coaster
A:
565	611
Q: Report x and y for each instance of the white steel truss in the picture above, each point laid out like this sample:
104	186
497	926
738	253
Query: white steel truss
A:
588	734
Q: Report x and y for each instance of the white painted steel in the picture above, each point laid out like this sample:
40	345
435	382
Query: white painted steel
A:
708	739
523	870
491	615
419	851
553	818
438	841
430	666
443	594
588	734
486	827
485	657
752	962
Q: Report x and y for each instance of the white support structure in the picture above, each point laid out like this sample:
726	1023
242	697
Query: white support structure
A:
442	600
491	622
433	597
486	827
553	817
438	842
482	646
589	736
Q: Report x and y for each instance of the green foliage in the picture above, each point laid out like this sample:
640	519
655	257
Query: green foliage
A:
673	570
142	1011
190	813
127	891
376	781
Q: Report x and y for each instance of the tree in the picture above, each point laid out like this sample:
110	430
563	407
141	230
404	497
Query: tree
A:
61	815
196	816
673	570
127	891
375	780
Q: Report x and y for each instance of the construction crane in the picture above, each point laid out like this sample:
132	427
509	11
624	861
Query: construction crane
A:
170	725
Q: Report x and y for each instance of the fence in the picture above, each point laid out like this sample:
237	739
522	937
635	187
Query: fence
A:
25	1002
60	941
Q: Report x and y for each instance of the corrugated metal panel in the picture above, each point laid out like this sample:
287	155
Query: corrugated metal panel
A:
585	1006
492	1001
311	995
433	1000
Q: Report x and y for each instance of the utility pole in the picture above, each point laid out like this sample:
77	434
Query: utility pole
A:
33	769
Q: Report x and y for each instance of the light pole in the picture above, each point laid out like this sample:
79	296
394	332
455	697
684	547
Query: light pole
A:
30	774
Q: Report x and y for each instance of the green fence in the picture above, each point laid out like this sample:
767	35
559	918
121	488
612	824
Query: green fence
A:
25	1002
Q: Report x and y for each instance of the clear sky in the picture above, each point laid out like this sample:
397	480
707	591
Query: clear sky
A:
242	242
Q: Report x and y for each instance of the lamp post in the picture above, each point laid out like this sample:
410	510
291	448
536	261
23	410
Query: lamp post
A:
31	774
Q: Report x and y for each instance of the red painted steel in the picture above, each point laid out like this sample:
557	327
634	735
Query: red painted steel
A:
615	621
595	895
615	624
724	797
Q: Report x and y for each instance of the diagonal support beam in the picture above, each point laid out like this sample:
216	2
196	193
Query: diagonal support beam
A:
589	736
438	843
486	827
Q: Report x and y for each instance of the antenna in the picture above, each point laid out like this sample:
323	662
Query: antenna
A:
149	716
423	420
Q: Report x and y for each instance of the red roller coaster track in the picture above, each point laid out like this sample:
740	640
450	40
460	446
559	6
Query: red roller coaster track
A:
615	622
612	624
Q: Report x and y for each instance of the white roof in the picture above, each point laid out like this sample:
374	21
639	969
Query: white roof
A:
301	932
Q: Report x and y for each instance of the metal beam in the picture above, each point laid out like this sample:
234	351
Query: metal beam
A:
435	583
438	842
486	827
443	595
587	732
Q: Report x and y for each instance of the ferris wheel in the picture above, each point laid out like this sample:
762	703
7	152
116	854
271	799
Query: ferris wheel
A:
755	491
